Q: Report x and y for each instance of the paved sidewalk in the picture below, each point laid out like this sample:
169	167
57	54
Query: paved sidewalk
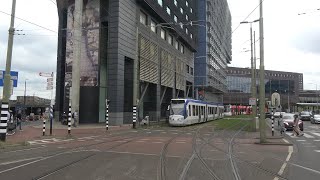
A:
34	131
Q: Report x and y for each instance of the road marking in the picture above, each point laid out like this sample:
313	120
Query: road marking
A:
121	141
145	139
317	140
174	133
305	143
310	146
60	147
181	142
317	150
301	140
317	134
156	142
290	134
189	133
308	136
21	160
285	141
284	165
81	140
97	140
164	132
148	132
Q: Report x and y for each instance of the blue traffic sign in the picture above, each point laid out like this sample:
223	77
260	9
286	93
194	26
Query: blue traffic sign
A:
14	77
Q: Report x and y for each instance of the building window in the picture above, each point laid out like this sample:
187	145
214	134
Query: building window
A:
191	71
160	2
181	10
187	68
182	49
191	10
191	36
187	17
187	31
163	34
181	25
187	4
143	18
176	2
168	10
176	45
153	26
169	38
175	18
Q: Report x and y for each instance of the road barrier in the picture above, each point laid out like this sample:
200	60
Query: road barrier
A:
44	127
107	116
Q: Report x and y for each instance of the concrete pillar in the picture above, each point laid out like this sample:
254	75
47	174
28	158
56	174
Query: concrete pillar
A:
75	95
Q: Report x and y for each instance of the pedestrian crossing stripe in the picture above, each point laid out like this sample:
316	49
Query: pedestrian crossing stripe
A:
308	136
317	134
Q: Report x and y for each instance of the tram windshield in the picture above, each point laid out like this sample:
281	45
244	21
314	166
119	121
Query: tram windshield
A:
177	107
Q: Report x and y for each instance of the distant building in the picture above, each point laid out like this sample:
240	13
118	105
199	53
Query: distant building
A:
287	84
214	49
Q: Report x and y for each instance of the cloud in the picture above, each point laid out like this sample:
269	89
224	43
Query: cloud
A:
308	41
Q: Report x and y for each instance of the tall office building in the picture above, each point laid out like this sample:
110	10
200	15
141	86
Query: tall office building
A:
156	34
214	49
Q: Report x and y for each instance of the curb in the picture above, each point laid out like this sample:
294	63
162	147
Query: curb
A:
273	143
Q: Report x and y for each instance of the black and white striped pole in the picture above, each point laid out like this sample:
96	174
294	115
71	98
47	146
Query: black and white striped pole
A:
51	117
272	124
69	119
134	117
44	127
107	114
4	121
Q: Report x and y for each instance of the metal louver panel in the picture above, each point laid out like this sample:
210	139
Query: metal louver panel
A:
148	53
180	75
167	69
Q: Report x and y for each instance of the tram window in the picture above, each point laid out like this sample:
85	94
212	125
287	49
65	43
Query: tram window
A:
202	110
193	110
196	110
189	110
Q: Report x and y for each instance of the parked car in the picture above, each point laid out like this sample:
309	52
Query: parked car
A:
288	119
268	115
277	114
315	119
305	115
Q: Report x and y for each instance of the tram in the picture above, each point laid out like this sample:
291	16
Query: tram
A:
185	112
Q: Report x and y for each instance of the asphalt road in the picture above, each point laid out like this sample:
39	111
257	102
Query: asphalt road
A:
305	160
194	152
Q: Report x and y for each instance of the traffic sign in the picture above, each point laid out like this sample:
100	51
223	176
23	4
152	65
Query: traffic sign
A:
252	101
14	77
45	74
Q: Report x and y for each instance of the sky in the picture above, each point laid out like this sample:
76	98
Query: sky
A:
292	42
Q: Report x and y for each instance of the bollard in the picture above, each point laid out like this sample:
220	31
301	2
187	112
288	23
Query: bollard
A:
272	126
134	117
44	127
107	116
4	121
69	119
51	118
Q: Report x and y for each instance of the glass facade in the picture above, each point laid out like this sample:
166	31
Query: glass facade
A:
243	85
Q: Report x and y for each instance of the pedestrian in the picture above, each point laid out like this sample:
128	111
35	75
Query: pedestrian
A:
19	119
296	128
75	117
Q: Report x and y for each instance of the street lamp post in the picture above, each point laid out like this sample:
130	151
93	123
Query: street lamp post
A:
25	96
262	86
253	71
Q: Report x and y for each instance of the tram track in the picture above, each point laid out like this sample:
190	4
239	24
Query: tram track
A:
233	157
